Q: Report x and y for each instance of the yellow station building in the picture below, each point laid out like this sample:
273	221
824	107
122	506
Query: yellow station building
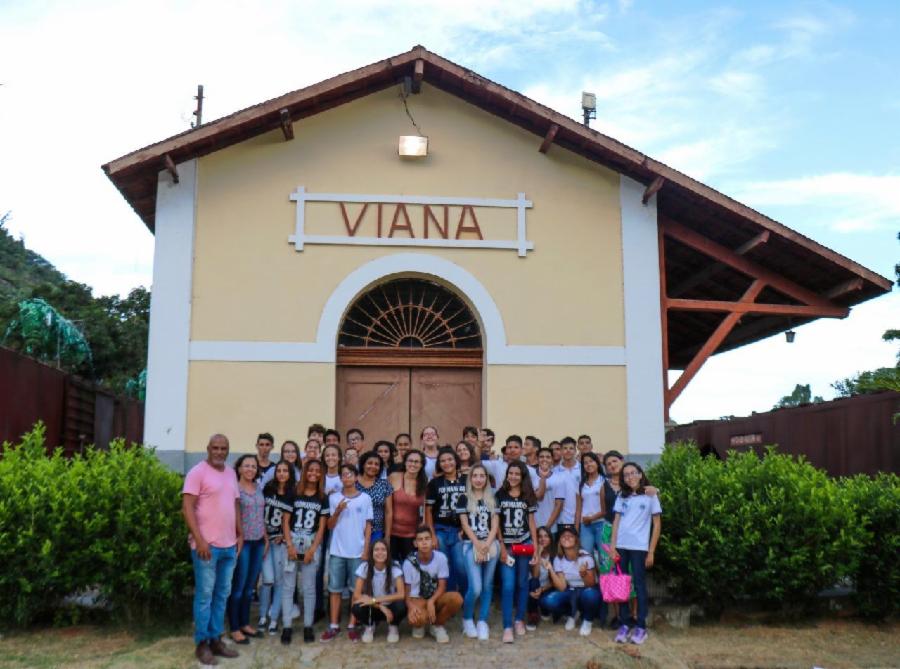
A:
519	275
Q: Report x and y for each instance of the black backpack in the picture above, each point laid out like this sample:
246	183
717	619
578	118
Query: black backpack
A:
427	583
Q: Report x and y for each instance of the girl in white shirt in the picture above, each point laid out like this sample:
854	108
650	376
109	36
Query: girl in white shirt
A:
379	593
574	581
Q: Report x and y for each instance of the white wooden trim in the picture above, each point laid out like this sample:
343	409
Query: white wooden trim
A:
406	241
299	239
165	416
643	332
497	351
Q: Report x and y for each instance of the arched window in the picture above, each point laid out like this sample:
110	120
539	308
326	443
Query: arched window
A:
410	314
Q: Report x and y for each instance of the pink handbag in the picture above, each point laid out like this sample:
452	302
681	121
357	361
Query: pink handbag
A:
615	586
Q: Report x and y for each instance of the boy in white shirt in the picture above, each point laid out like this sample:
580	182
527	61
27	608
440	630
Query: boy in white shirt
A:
425	573
351	528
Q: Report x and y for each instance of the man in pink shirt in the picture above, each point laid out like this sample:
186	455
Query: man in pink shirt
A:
210	502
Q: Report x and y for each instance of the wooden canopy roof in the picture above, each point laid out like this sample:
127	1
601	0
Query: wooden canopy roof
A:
714	247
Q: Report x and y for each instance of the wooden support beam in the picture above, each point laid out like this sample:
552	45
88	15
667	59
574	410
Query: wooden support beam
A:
725	255
678	304
715	340
653	189
287	126
169	164
418	75
708	272
849	286
549	137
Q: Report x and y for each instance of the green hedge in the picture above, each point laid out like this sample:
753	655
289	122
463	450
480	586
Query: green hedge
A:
108	519
774	530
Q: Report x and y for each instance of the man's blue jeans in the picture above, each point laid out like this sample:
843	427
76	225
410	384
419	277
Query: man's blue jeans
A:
212	585
246	572
452	546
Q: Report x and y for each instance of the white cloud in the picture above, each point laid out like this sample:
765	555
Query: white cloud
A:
841	201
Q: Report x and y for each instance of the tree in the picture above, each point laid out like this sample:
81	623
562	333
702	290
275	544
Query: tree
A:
800	396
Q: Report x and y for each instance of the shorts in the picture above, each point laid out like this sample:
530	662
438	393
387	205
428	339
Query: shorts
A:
342	573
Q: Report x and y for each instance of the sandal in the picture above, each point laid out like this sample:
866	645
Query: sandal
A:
251	632
243	641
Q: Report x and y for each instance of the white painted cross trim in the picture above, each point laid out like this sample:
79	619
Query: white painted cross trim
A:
299	239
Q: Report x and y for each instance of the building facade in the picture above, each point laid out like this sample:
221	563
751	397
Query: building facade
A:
305	272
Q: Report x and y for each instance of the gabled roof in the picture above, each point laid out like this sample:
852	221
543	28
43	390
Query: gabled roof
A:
680	198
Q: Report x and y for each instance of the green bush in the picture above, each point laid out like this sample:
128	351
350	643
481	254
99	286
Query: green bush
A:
108	520
771	529
876	505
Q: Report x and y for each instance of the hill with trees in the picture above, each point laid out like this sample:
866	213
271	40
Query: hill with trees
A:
114	327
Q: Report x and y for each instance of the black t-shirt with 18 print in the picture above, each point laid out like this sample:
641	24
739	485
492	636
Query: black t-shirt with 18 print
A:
307	514
479	519
276	506
513	512
442	496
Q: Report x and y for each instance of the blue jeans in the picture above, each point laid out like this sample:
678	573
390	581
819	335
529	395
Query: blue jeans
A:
481	583
212	585
633	563
246	571
591	537
568	602
452	546
272	580
514	585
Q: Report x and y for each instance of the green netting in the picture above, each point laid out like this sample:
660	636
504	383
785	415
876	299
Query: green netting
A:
137	387
47	335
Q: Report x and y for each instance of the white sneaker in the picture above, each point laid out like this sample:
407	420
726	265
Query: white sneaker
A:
484	632
440	634
469	629
368	634
393	634
570	624
586	626
295	612
418	632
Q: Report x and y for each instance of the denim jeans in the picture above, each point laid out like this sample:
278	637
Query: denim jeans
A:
452	546
246	571
272	578
305	576
574	600
514	586
591	537
212	585
633	562
480	583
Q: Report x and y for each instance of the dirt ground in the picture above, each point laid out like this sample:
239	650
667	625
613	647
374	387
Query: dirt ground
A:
826	644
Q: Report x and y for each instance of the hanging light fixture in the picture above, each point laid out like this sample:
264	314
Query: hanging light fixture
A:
413	146
790	334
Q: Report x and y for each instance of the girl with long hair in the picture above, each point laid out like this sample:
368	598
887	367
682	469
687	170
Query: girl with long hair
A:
279	497
256	544
589	505
574	584
480	550
290	453
408	499
379	593
305	547
635	534
539	583
516	504
388	454
466	457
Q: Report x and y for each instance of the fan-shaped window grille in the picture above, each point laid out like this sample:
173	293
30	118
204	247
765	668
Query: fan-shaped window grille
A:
410	314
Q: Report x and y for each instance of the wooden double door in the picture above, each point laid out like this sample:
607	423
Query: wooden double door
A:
385	401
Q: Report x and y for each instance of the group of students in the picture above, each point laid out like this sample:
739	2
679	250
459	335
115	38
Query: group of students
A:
418	534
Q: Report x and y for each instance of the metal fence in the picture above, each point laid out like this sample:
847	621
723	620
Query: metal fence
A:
76	413
855	435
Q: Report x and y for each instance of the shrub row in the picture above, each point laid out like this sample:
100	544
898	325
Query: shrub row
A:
775	530
107	520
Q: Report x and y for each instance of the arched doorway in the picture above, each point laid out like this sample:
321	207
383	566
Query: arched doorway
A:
409	354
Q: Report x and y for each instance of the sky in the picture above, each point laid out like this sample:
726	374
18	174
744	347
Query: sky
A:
790	107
